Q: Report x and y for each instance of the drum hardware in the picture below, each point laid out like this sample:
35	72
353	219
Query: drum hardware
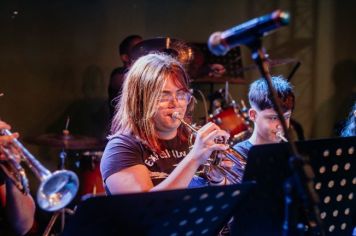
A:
89	173
56	189
241	136
217	121
220	99
179	49
188	53
66	142
230	120
271	64
228	114
85	148
214	162
206	115
244	110
66	136
93	156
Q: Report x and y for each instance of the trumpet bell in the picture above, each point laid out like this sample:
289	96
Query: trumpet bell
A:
57	190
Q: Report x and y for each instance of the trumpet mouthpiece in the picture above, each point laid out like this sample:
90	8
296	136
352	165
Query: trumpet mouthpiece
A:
280	135
176	115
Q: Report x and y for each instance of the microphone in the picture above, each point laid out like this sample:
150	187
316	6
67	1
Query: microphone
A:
220	43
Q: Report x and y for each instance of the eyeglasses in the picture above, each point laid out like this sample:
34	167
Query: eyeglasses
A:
180	96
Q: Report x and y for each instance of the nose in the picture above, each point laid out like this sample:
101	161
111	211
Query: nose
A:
174	101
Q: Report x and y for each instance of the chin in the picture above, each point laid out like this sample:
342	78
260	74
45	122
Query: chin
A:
273	140
277	140
175	125
171	125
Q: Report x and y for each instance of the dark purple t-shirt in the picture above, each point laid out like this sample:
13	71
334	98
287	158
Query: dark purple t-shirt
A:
124	151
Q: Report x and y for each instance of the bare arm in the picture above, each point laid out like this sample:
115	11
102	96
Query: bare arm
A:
136	178
19	208
132	179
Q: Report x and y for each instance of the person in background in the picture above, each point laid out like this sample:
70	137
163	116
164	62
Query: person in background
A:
266	123
118	74
349	128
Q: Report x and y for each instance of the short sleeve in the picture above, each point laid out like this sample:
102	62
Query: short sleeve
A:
243	148
121	152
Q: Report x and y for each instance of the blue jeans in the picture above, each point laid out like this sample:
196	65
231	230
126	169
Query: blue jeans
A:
198	182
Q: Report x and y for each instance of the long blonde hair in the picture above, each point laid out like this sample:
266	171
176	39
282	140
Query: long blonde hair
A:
141	91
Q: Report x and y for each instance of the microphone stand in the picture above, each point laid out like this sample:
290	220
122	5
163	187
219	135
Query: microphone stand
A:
301	170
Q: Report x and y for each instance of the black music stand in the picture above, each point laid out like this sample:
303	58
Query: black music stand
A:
334	165
199	211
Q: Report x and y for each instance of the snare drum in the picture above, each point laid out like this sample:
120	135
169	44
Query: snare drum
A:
230	120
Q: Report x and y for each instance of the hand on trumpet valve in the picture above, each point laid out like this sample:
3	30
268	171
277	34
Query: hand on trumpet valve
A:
211	151
213	169
220	139
6	141
205	141
12	150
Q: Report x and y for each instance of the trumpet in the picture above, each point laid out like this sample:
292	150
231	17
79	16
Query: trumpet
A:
56	189
214	162
280	135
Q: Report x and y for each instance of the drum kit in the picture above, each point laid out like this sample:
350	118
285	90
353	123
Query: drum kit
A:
87	152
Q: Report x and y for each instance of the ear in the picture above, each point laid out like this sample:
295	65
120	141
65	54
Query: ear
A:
125	58
252	114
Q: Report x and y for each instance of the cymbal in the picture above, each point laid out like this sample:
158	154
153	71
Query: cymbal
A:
68	141
174	47
222	80
271	63
239	80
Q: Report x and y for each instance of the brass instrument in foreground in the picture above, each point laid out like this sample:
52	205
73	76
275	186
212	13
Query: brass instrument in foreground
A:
215	161
56	190
280	135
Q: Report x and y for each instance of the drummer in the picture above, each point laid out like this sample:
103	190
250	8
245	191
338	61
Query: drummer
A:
267	126
117	75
